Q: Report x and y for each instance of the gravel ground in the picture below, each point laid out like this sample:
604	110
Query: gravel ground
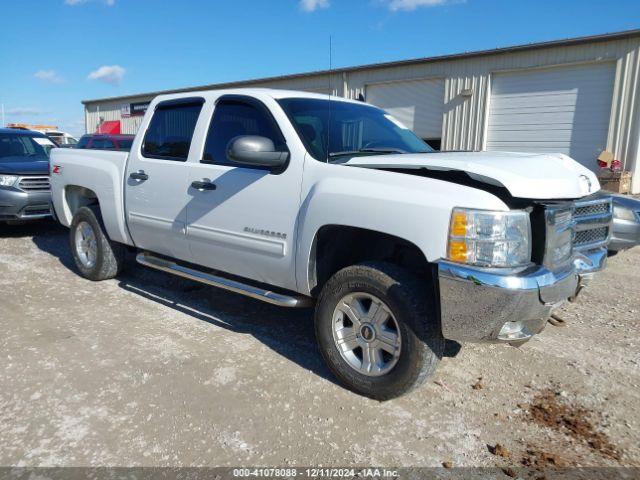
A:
152	370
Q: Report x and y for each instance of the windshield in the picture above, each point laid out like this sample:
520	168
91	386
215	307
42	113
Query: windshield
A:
354	129
19	148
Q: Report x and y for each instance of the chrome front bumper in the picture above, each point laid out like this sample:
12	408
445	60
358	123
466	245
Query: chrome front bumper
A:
476	304
626	234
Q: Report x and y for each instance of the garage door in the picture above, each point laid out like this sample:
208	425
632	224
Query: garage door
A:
417	104
564	109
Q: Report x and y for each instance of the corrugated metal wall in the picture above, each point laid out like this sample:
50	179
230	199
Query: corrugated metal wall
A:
415	103
95	112
464	119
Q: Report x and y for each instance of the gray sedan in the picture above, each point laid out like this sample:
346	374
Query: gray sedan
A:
626	223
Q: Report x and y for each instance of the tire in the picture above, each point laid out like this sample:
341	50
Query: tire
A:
411	320
107	259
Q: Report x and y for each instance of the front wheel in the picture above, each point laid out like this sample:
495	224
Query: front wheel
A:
377	330
97	257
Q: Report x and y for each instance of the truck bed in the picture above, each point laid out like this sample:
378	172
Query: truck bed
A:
101	172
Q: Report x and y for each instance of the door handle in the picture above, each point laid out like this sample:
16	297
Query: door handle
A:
139	175
203	185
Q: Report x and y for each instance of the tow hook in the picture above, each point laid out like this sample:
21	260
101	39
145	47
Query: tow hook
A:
583	280
574	297
557	321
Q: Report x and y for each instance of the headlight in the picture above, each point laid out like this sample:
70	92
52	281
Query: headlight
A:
490	239
622	213
7	180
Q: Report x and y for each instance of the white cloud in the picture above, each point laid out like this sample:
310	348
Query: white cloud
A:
49	76
73	3
313	5
409	5
24	111
111	74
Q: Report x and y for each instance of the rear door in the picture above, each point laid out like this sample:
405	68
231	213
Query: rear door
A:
157	179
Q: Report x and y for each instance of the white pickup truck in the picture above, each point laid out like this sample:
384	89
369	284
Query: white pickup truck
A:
300	199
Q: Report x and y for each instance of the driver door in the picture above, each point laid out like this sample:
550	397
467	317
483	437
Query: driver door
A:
245	223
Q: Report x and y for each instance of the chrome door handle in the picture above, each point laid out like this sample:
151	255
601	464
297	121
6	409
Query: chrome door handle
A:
203	185
139	175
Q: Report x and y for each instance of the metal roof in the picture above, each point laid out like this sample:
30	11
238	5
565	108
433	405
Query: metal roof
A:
517	48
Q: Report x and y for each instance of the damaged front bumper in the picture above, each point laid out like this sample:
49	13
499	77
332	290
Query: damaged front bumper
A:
491	305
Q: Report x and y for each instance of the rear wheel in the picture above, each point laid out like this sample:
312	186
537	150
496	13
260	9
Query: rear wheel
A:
377	330
97	257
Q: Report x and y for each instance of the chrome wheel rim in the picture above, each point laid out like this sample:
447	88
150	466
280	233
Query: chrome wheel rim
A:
86	245
366	334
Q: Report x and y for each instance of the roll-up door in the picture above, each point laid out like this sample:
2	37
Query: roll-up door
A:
418	104
561	109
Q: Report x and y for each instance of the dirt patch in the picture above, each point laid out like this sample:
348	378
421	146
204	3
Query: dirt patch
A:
537	458
499	450
550	409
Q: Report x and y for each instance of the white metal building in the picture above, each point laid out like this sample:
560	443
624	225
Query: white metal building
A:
578	96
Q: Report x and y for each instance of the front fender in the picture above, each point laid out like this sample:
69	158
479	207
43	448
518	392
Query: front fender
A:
413	208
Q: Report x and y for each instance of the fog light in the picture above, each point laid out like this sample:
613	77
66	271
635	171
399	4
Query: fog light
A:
512	331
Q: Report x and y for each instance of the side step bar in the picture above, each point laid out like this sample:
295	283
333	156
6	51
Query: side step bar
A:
268	296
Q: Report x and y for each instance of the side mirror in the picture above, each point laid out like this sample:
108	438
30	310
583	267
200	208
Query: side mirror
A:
255	151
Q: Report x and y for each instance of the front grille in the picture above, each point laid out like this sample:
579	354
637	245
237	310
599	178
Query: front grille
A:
34	184
592	209
587	237
575	227
592	223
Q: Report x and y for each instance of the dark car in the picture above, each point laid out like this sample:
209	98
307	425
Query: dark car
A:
99	141
25	193
626	223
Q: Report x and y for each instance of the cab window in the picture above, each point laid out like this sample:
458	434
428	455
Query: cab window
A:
233	118
171	130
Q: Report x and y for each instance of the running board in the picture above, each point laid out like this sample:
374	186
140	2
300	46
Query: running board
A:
268	296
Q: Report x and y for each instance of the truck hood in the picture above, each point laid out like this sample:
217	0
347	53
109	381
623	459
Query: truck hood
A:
18	166
524	175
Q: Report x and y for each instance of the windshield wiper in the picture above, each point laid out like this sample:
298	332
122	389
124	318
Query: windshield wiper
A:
366	150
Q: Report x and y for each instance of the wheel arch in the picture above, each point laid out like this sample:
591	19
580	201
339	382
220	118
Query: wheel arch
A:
75	197
336	246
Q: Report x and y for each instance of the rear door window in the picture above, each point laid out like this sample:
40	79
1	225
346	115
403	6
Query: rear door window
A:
171	130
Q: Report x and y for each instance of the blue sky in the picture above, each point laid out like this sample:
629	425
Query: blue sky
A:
55	53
